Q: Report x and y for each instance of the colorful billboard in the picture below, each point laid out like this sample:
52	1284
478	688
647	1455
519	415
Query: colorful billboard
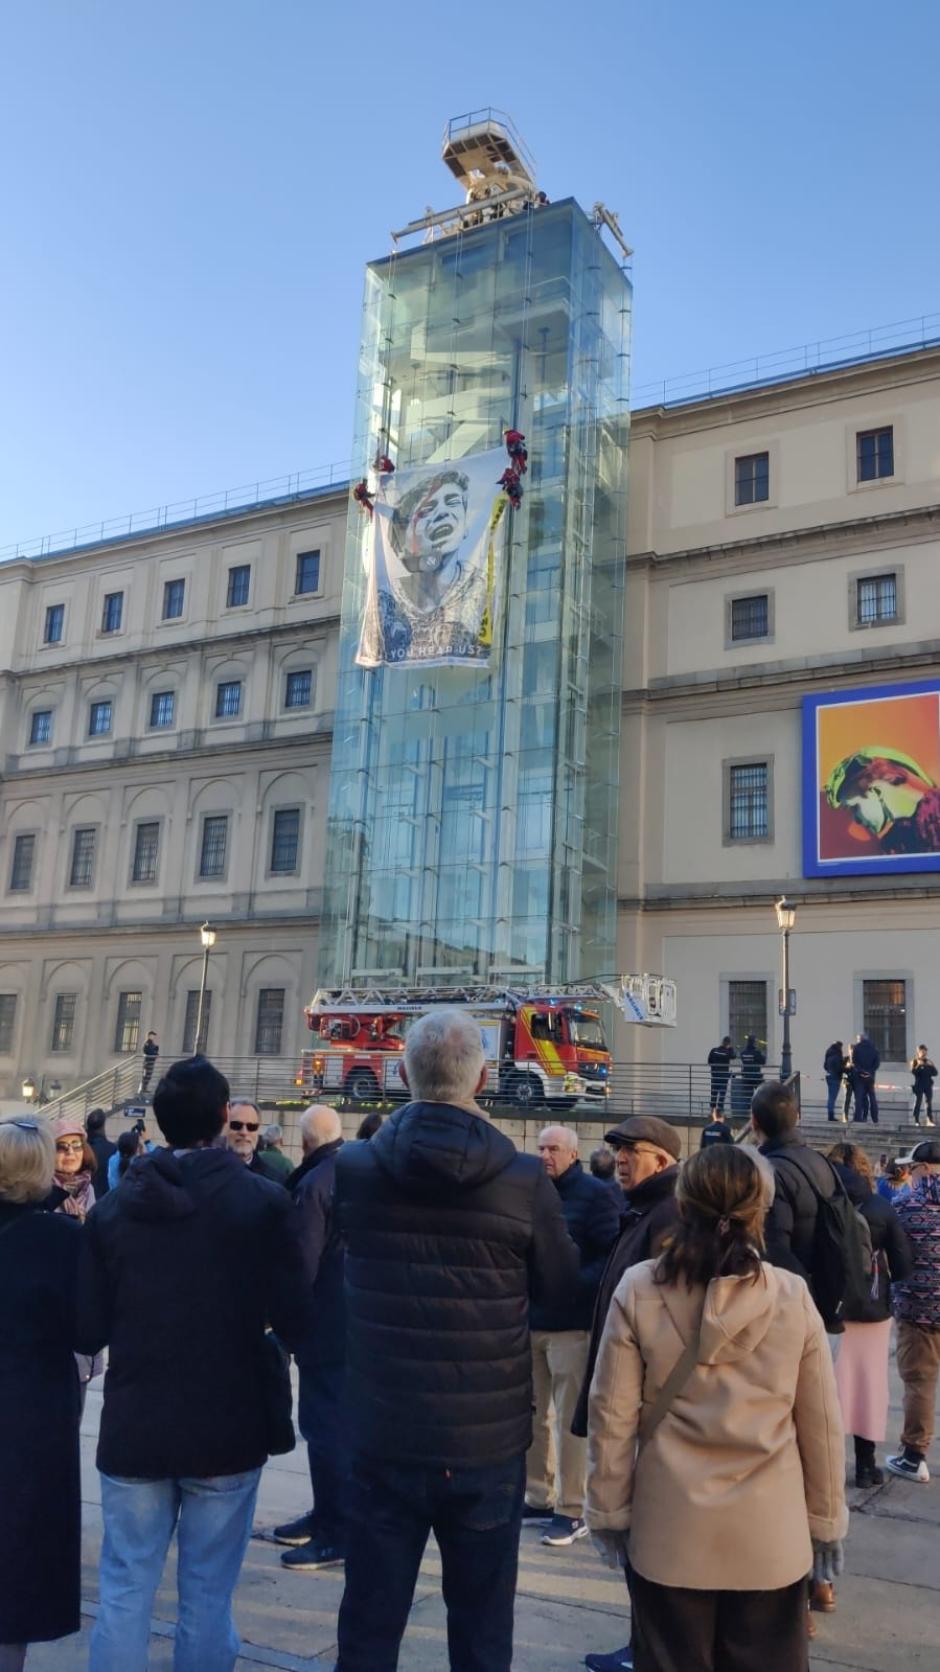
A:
432	568
871	771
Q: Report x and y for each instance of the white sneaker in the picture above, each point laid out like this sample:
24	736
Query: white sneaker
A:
907	1470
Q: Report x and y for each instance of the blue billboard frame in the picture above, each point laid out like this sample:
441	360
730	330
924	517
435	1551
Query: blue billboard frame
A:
879	864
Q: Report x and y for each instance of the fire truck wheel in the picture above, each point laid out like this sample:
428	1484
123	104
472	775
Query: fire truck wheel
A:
363	1087
526	1091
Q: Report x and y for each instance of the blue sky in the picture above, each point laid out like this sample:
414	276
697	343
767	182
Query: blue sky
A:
190	189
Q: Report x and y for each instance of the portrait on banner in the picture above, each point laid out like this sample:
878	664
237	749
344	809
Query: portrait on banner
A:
433	565
871	780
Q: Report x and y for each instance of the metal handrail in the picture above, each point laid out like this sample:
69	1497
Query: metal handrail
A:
107	1090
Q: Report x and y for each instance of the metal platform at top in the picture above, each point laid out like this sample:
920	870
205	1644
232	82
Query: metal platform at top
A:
482	149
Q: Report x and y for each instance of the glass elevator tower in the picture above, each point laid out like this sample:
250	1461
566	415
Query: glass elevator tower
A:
472	830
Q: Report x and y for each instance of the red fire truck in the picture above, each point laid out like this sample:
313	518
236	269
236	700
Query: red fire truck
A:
544	1045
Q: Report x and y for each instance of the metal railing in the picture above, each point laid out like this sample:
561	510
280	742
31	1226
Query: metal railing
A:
110	1089
275	490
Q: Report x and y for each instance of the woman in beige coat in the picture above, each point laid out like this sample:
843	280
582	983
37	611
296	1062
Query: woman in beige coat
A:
720	1491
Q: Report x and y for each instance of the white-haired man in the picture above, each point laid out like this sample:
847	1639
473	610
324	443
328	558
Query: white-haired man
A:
448	1231
557	1460
319	1538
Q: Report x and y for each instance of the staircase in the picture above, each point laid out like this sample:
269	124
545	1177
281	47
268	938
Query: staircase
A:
113	1089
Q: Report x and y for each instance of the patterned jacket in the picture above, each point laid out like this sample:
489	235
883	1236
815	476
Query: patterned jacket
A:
917	1300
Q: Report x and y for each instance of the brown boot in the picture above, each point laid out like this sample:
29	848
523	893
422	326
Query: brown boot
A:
823	1596
810	1627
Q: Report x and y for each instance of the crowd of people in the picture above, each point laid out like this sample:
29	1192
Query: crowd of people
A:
849	1071
484	1340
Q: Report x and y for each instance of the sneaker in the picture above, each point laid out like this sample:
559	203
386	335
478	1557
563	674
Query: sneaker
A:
533	1516
620	1661
564	1529
316	1553
300	1531
908	1469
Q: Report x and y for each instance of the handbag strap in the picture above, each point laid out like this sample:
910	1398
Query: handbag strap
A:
672	1386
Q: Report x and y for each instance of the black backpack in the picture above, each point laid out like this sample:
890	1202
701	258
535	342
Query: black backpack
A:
844	1267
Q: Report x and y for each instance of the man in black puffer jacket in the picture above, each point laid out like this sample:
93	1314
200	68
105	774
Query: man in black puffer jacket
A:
560	1337
448	1232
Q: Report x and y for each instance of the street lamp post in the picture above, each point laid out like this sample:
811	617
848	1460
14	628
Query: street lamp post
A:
207	936
786	919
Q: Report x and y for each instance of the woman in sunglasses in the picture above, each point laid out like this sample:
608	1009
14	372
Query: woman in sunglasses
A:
75	1167
39	1400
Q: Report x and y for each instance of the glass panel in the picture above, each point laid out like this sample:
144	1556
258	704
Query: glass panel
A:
55	621
21	875
877	599
40	726
173	595
308	572
299	689
82	870
127	1032
99	719
214	843
884	1018
113	612
228	699
472	823
747	1011
285	839
749	617
162	709
270	1021
63	1022
748	802
7	1022
146	848
239	583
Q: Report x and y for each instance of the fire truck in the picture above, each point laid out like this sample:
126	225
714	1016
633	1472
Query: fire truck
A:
544	1045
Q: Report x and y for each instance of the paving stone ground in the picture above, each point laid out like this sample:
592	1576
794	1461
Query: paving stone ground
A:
888	1616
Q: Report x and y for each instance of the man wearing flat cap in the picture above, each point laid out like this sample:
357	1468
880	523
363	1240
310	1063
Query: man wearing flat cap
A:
647	1151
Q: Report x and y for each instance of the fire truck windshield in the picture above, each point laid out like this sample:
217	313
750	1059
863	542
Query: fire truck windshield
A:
586	1030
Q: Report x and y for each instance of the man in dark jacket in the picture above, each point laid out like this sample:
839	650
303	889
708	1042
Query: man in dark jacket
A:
647	1150
319	1538
181	1270
865	1065
448	1232
102	1148
802	1175
560	1338
720	1058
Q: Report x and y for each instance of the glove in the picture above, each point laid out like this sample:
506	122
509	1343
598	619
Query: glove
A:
828	1560
612	1548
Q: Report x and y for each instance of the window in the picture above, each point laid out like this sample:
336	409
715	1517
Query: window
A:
874	452
82	867
747	1011
285	841
40	725
308	572
162	710
113	613
7	1022
270	1021
192	1017
752	479
63	1021
876	599
127	1032
748	802
298	689
228	699
99	719
55	622
146	851
239	580
174	593
214	844
750	617
884	1018
21	874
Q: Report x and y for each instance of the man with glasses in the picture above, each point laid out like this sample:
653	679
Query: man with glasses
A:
647	1151
241	1133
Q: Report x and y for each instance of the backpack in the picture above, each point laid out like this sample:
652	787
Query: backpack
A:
844	1272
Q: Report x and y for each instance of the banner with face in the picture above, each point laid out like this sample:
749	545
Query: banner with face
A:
433	565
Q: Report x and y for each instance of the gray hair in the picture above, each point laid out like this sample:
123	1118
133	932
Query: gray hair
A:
246	1102
319	1124
272	1134
444	1056
566	1135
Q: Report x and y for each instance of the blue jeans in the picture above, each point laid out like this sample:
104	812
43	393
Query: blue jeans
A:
834	1083
475	1515
322	1420
213	1523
